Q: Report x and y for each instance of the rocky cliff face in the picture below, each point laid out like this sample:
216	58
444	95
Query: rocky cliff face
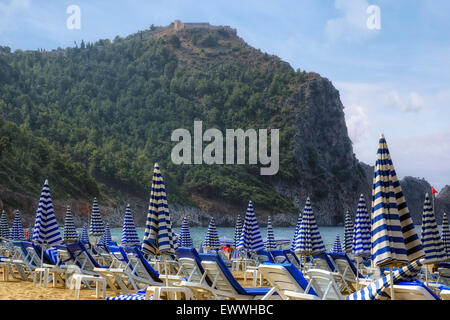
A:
329	171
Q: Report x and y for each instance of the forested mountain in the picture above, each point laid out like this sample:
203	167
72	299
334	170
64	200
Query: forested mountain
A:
109	108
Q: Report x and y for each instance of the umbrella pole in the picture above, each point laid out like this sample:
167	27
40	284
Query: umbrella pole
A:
391	283
165	270
42	255
357	273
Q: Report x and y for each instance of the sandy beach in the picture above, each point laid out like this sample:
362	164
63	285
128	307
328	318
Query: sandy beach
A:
27	290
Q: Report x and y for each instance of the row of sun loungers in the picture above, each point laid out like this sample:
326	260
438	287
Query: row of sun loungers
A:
190	275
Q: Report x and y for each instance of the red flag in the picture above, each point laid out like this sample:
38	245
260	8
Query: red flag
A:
433	190
87	210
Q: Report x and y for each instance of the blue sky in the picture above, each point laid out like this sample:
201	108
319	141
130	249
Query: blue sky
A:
395	80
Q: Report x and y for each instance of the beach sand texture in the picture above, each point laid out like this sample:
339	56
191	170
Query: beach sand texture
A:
27	290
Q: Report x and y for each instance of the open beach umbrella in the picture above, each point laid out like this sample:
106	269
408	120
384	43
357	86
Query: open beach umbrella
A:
158	235
297	228
348	232
308	240
46	230
379	289
393	236
250	238
337	245
4	227
361	231
106	237
185	239
431	239
446	235
16	232
211	241
96	227
237	231
130	236
84	238
270	243
70	232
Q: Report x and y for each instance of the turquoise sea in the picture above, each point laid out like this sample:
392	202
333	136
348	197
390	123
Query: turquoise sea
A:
287	233
198	234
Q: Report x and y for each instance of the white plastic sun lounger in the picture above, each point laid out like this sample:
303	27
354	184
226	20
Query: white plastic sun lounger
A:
324	284
287	281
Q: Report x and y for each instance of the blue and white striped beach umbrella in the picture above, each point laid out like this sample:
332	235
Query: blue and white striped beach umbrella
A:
431	239
46	230
106	237
379	289
84	238
185	239
361	232
70	232
96	227
130	236
237	230
211	241
309	240
348	232
250	238
297	228
446	235
393	236
4	227
270	242
337	245
16	232
158	236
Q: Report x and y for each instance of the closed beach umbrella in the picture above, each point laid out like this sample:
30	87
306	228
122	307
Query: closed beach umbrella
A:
4	228
70	232
46	229
270	243
96	227
361	232
379	289
250	238
130	236
393	236
446	235
237	230
348	232
337	245
84	238
297	228
185	239
431	239
106	237
308	240
16	232
158	235
211	241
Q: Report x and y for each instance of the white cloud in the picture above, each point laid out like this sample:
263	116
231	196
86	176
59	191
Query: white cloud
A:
413	119
352	26
358	124
8	12
409	102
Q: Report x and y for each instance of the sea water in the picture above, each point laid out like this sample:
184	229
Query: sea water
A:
328	234
286	233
